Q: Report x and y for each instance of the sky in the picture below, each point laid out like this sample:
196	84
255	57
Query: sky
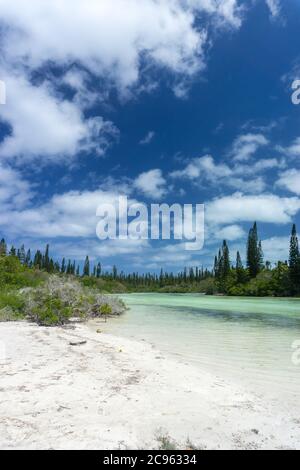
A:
164	101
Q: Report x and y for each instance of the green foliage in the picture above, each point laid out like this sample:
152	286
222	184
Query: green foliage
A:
11	306
105	309
14	275
294	262
166	442
254	253
50	311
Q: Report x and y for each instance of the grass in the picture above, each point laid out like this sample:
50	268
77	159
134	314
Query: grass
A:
165	442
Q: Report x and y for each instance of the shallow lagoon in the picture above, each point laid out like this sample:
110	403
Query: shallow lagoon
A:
245	340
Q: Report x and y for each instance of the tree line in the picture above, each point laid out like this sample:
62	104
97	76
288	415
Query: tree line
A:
258	277
258	274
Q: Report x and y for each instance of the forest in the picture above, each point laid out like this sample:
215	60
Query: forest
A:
228	276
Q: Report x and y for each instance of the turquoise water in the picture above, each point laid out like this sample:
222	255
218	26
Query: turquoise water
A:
246	340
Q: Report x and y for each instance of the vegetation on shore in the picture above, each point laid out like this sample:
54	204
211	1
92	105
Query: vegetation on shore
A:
49	299
18	269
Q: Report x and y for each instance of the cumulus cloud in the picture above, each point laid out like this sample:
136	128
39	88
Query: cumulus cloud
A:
107	41
103	36
151	183
290	180
245	146
292	150
47	127
276	248
238	207
15	191
230	232
207	170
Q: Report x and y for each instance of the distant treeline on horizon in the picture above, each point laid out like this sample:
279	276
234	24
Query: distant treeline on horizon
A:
225	277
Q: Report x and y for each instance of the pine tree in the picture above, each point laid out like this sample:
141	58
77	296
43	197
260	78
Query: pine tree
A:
28	258
225	265
260	257
63	266
115	272
3	248
216	267
254	253
98	271
240	271
69	268
13	251
22	255
38	260
86	268
46	259
294	261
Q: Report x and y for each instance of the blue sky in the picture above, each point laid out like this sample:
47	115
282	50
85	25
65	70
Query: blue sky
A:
171	101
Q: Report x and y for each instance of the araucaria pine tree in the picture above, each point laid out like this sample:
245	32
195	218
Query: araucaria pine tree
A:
222	266
63	266
294	261
240	271
2	247
254	253
46	261
225	268
86	268
98	271
22	255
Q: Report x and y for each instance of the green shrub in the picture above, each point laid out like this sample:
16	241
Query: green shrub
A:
13	275
51	312
105	309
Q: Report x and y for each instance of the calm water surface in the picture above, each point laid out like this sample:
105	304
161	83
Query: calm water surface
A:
246	340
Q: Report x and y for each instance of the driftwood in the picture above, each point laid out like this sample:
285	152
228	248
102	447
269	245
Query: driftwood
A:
78	343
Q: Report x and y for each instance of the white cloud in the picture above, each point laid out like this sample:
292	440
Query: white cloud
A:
15	191
231	232
151	183
206	170
238	207
227	11
71	214
111	41
290	180
276	248
293	150
148	138
47	127
105	37
274	7
245	146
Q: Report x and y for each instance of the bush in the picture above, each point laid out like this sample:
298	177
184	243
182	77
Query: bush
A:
50	311
13	275
61	299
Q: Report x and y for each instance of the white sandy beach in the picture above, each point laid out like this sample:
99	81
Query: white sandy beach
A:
113	393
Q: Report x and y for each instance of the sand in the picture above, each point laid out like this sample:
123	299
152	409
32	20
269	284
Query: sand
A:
115	393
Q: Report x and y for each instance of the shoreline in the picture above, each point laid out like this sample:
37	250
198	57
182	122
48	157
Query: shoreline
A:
115	393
